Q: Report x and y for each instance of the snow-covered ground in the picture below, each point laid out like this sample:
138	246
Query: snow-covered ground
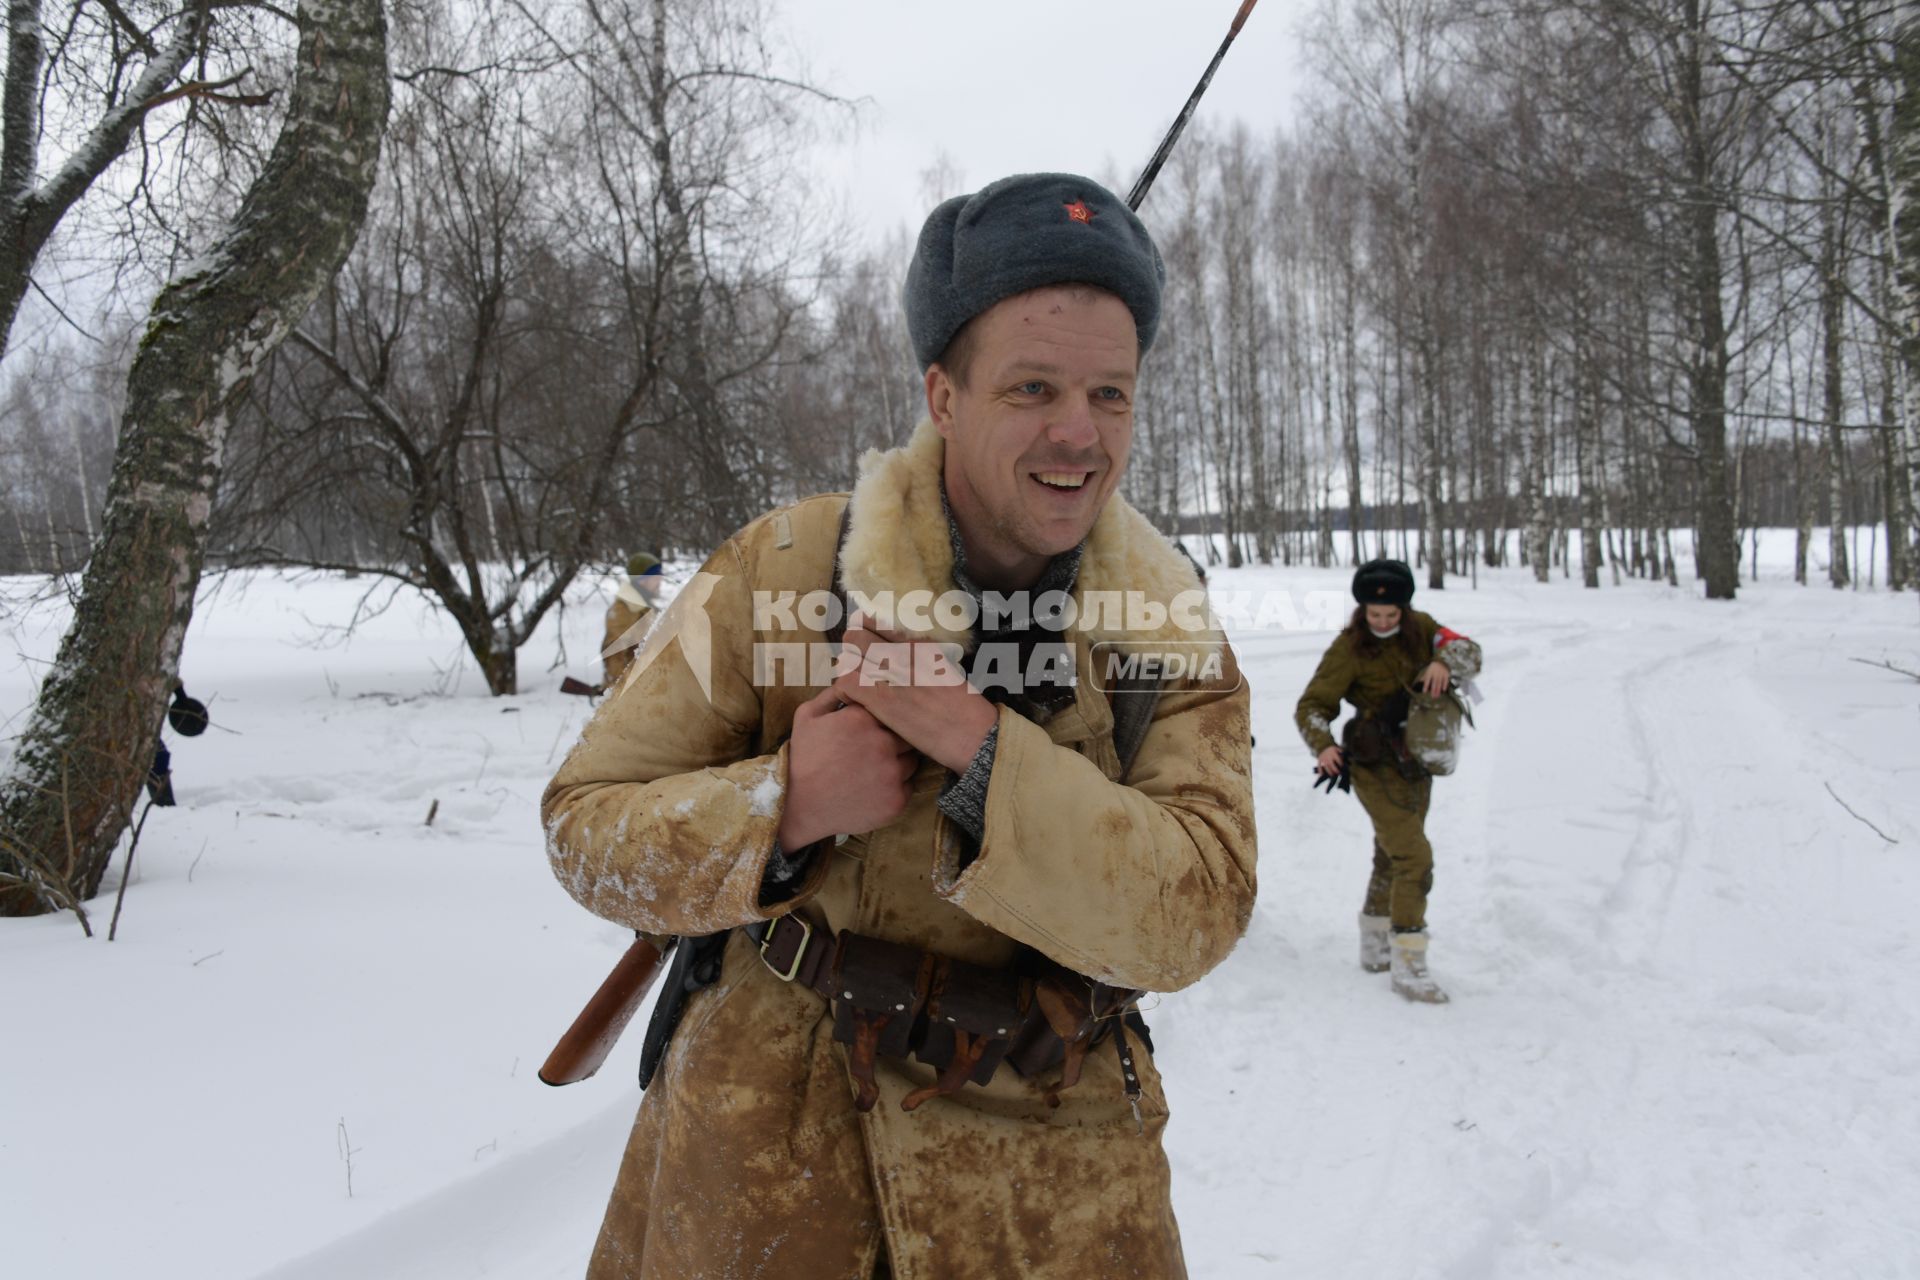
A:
1683	1043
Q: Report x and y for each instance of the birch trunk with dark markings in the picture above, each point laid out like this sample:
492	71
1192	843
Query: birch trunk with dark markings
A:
1903	217
75	778
1833	404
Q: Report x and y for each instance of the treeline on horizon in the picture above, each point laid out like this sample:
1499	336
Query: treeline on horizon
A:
1586	271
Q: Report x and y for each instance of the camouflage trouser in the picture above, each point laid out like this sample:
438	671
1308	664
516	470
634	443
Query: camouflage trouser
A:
1402	858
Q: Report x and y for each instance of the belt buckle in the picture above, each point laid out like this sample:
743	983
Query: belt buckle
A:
806	937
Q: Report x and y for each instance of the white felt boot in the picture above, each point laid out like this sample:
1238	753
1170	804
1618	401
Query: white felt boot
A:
1376	953
1410	976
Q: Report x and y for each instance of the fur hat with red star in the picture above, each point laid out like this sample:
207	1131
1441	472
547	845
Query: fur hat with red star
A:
1027	232
1383	582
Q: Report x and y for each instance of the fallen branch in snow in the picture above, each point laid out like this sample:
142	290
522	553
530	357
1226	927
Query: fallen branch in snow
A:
347	1152
1849	808
1887	666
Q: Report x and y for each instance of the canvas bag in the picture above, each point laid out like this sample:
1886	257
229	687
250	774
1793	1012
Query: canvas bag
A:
1433	730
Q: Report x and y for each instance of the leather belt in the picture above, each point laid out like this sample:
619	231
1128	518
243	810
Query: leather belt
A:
796	951
964	1020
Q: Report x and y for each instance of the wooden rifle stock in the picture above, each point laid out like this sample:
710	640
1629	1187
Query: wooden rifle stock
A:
580	687
590	1039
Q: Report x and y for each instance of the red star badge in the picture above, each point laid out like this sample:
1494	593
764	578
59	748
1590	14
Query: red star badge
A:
1079	212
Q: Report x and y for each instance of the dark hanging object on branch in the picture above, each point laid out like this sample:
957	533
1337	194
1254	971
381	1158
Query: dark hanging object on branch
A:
1139	193
188	716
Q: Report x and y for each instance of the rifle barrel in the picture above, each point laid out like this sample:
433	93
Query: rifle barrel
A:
1139	193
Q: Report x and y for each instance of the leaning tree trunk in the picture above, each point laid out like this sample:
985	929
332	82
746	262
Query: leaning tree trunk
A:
72	786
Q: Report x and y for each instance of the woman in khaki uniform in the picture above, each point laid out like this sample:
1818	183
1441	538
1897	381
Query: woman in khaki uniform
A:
1387	651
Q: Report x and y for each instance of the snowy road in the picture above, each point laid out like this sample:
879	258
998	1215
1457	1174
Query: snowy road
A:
1684	1027
1683	1043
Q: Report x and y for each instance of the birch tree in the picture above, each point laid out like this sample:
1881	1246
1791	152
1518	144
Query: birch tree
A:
96	77
1903	221
568	330
69	792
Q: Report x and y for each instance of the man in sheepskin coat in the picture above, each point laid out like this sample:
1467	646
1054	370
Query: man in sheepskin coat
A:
890	860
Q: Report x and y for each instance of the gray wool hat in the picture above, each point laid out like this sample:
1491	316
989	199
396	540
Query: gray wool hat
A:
1027	232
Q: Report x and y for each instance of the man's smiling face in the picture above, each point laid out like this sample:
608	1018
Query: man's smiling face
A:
1038	423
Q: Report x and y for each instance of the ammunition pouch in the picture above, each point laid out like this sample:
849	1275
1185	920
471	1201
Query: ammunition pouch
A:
1378	737
963	1020
1367	740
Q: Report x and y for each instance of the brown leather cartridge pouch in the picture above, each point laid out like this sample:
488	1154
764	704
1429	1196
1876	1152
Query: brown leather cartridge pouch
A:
878	991
963	1020
972	1015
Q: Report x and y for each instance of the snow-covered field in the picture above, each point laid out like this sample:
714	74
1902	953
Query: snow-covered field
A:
1684	1040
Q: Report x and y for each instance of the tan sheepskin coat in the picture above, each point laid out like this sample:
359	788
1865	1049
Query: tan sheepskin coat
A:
748	1158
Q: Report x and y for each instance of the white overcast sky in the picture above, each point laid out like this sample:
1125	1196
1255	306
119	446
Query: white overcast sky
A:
994	86
1014	86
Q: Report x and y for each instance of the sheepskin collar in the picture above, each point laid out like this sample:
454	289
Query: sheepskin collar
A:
897	542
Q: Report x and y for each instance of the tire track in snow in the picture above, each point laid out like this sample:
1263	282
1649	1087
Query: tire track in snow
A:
1635	918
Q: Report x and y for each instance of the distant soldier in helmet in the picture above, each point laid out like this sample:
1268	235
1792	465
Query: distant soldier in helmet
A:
630	614
1388	654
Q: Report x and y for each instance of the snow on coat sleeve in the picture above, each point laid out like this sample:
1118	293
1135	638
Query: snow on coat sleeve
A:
1147	883
1319	706
661	819
1460	653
